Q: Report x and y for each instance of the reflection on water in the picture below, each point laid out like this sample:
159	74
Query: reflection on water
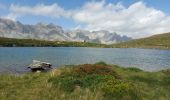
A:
17	58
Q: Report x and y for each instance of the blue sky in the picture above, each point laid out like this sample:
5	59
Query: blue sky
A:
159	4
72	14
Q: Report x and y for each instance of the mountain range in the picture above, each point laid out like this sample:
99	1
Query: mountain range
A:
52	32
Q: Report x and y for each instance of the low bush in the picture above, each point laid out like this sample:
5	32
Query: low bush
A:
96	69
101	63
167	72
119	90
133	69
95	77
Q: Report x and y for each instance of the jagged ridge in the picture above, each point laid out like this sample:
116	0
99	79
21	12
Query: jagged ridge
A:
15	29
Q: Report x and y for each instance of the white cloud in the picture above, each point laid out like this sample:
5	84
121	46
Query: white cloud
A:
39	10
137	20
12	16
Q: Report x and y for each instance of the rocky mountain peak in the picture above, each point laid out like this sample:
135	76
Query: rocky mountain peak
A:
15	29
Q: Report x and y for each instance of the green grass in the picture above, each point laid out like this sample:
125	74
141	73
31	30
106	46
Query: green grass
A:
98	81
161	41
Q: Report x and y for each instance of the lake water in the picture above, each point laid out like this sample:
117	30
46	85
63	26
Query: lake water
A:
16	59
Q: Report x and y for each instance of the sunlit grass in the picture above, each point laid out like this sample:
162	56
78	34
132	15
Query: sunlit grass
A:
160	41
87	82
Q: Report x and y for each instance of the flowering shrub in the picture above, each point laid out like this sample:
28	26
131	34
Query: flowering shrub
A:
96	69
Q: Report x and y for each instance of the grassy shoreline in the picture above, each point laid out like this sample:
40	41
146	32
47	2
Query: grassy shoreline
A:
12	42
145	43
98	81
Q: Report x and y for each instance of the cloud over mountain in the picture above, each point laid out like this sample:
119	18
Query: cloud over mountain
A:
53	11
15	29
136	20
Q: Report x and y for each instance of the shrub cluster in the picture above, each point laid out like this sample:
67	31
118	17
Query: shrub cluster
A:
95	77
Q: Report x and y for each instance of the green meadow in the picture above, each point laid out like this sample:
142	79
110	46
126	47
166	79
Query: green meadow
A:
98	81
160	41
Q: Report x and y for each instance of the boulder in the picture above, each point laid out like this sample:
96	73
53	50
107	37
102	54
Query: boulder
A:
39	66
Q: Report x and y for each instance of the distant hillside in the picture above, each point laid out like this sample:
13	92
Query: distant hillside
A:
11	42
160	41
